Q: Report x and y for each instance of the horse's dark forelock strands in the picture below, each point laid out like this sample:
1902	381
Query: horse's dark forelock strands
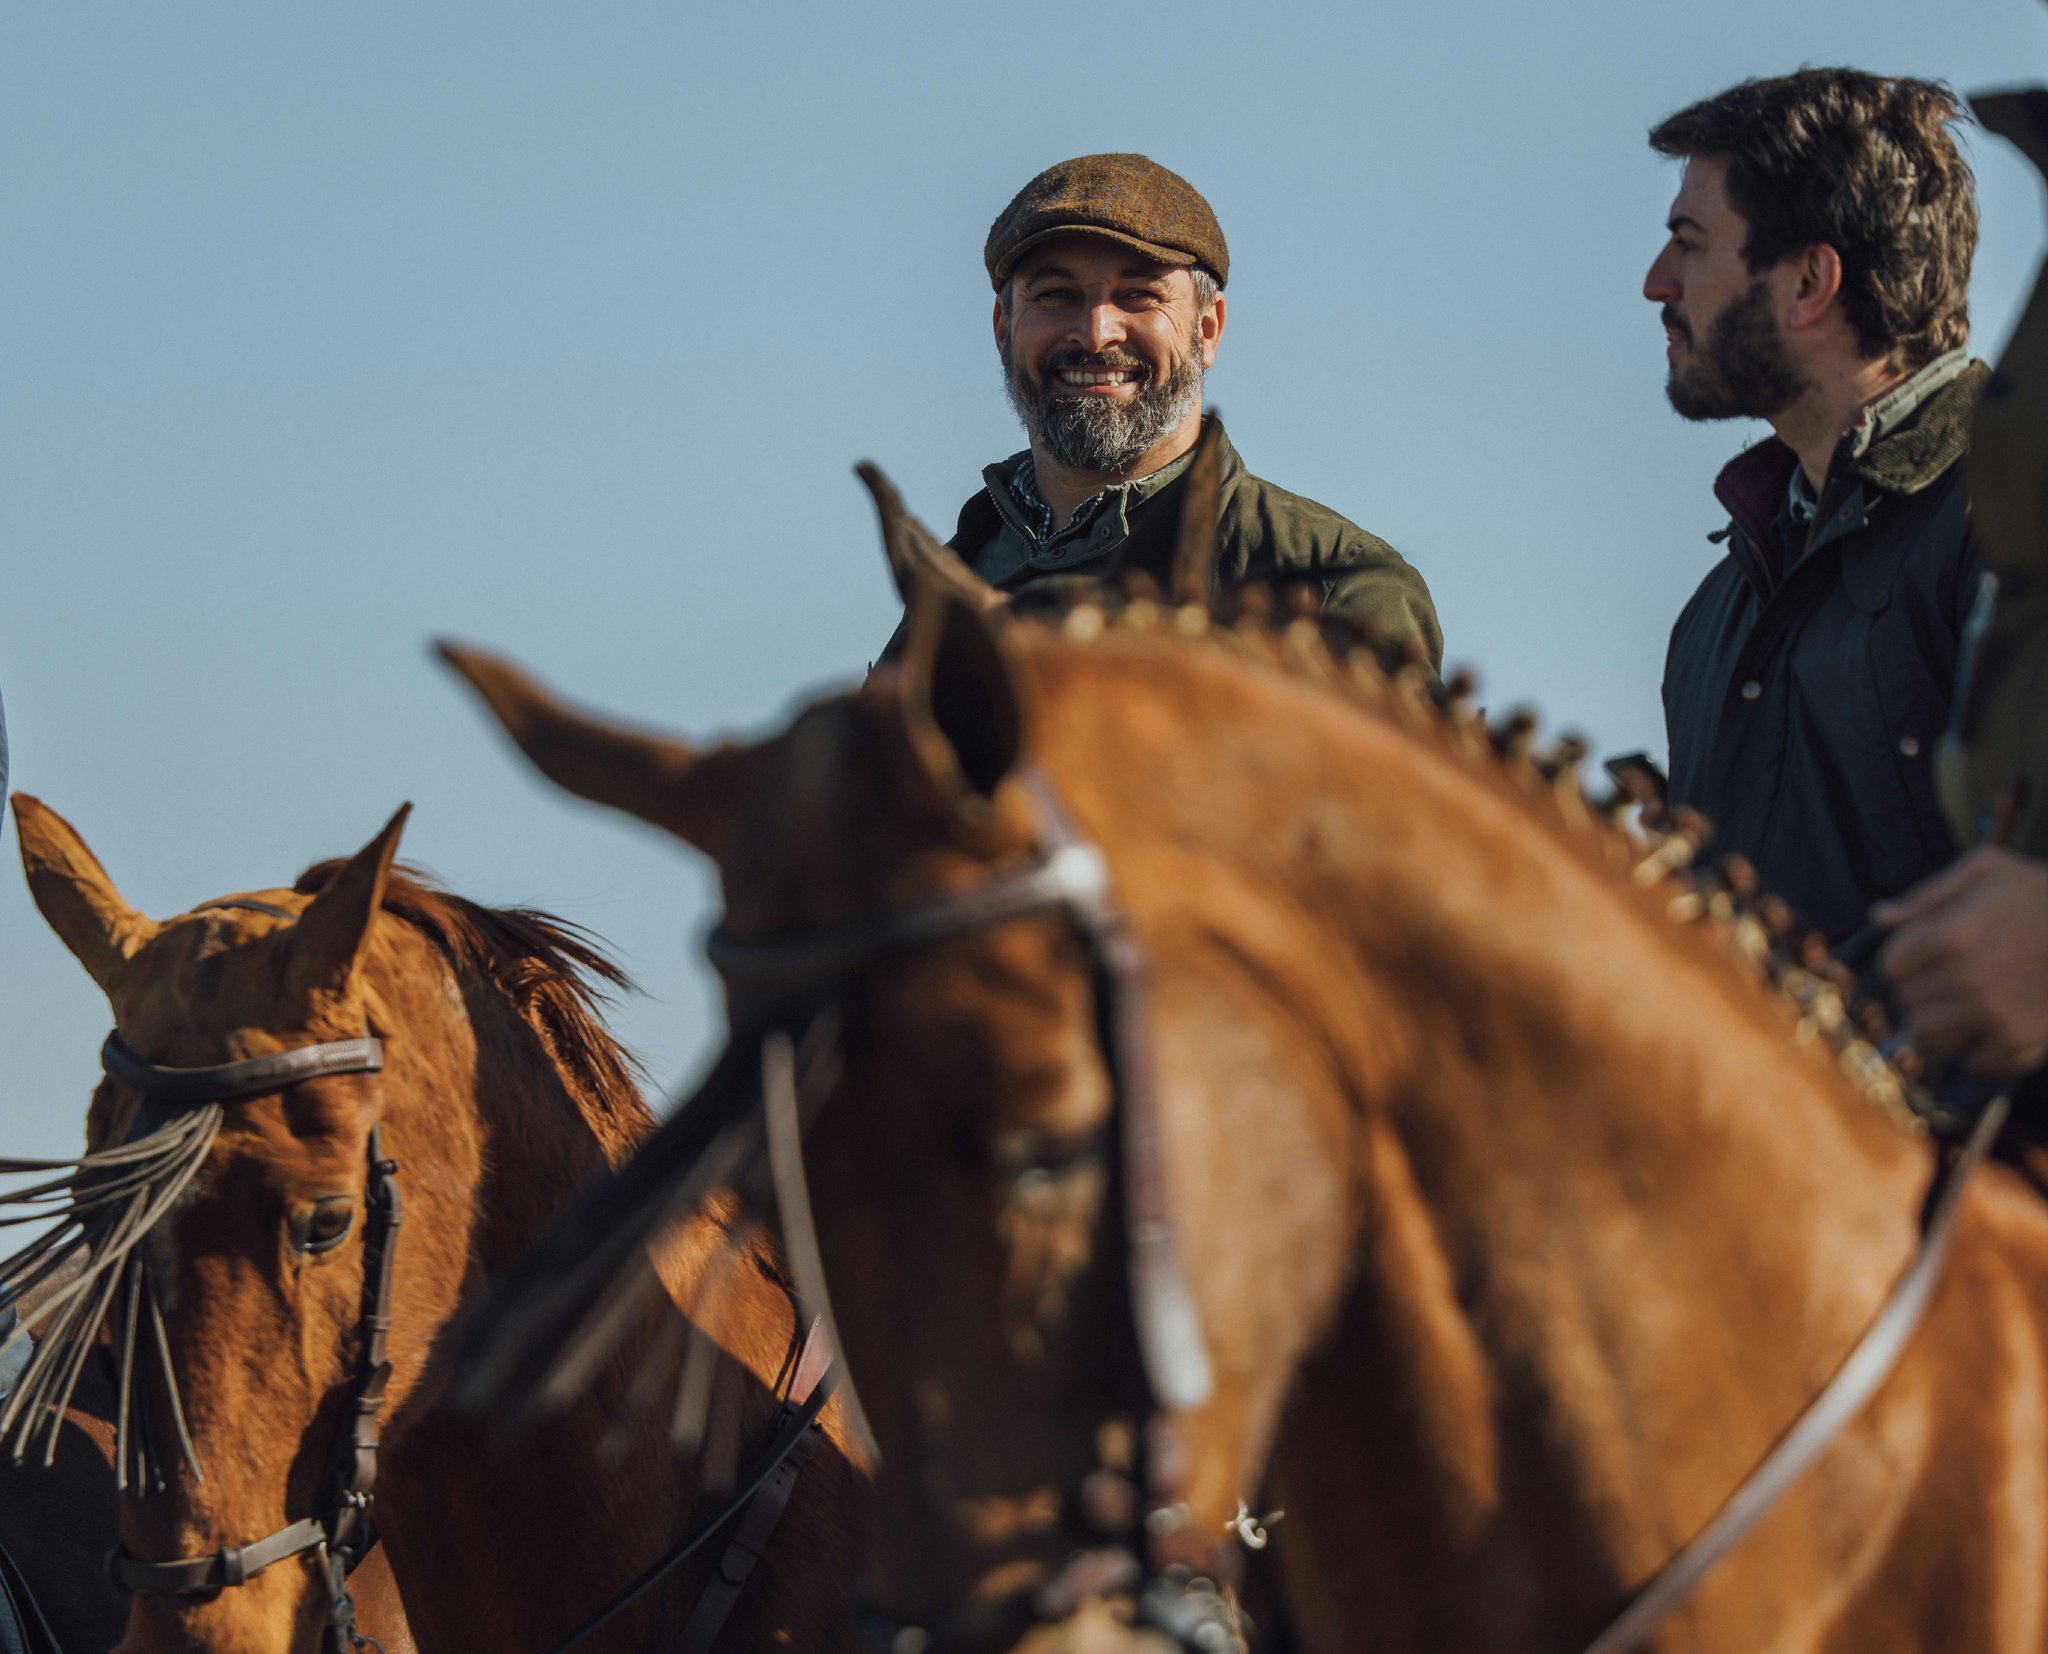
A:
100	1209
559	1311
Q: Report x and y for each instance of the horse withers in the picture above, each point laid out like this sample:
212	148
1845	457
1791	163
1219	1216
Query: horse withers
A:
498	1092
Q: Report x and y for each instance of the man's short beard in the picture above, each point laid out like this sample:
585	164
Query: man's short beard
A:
1099	433
1741	370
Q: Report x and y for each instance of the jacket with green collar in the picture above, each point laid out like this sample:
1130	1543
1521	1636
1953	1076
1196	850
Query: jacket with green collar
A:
1807	685
1265	534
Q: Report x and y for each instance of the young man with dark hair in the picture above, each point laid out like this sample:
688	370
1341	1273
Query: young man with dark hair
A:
1816	277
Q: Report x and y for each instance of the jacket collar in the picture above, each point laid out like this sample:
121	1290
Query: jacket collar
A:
1902	444
1908	438
981	518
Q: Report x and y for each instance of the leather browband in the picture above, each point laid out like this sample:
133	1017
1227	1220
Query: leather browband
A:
1073	876
229	1082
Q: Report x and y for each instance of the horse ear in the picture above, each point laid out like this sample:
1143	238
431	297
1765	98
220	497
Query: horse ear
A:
660	780
1201	517
75	895
963	703
2008	490
330	933
915	553
2020	117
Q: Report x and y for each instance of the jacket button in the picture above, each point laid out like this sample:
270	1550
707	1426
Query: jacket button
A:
1751	690
1909	745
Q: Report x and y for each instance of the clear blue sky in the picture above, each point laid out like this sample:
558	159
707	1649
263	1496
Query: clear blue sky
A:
324	330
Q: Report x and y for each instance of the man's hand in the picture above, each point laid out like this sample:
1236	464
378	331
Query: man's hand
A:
1968	956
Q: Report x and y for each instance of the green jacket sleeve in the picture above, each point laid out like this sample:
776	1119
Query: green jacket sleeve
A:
1370	582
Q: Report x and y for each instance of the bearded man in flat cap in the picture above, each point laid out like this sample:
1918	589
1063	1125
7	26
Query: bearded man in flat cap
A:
1109	273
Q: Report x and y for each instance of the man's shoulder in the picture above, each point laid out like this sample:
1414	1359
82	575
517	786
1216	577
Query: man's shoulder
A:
1271	533
1278	529
1721	592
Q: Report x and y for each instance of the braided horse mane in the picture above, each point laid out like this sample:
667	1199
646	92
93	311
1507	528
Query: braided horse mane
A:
1652	853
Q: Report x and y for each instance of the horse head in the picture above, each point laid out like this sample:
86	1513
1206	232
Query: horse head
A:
235	1283
963	1152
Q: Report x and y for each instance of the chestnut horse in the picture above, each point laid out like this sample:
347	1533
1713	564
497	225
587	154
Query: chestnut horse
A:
1523	1207
500	1092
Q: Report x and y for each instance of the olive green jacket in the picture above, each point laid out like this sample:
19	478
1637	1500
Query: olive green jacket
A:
1265	534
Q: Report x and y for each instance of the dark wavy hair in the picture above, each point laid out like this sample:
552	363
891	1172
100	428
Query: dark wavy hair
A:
1866	164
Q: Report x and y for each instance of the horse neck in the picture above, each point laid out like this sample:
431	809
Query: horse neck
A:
1568	1145
490	1142
548	1131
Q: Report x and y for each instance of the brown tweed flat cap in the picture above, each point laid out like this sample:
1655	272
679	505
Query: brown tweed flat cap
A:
1124	197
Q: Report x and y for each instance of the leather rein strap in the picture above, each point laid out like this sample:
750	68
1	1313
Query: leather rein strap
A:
342	1535
1855	1381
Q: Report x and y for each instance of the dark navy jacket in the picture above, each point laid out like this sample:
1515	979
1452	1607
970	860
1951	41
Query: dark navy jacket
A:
1804	704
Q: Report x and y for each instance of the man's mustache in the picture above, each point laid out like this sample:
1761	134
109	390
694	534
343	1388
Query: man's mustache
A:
1670	318
1103	361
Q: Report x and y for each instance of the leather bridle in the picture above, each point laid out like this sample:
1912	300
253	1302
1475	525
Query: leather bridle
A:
341	1534
1157	1552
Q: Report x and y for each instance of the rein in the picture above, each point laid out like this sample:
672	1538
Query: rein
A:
1855	1381
341	1535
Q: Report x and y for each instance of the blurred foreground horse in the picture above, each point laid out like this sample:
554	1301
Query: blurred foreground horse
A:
283	1063
1503	1190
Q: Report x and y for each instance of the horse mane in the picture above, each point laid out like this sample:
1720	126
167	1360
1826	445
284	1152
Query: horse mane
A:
1655	861
552	974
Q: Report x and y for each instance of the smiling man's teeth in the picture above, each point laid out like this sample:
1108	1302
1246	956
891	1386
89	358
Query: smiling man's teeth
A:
1095	376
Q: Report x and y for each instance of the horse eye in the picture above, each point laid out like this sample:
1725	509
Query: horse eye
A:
323	1224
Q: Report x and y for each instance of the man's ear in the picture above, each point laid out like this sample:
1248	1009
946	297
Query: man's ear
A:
74	894
963	701
329	937
1818	282
1212	328
693	795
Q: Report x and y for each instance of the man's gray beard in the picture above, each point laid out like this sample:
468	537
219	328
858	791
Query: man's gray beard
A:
1741	369
1095	433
